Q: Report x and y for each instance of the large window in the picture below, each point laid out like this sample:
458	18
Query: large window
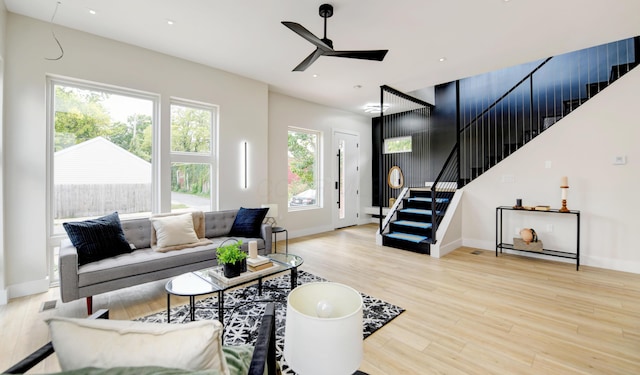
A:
105	153
102	148
192	153
303	179
100	160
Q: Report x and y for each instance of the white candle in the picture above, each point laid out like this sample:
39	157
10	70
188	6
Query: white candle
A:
253	249
564	193
564	182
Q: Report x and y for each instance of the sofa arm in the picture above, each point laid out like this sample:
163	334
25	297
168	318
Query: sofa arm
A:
68	265
264	352
267	236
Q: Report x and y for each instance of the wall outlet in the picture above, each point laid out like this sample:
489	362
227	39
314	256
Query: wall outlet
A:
547	164
620	160
549	227
517	232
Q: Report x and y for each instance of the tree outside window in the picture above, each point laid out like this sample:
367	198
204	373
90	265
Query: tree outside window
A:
192	156
303	151
397	145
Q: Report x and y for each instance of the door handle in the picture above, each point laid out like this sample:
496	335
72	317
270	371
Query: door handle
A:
339	175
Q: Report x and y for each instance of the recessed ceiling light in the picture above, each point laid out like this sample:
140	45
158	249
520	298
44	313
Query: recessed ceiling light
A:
442	59
315	76
91	11
357	86
170	22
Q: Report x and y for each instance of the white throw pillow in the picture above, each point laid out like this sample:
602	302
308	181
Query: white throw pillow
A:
174	230
103	343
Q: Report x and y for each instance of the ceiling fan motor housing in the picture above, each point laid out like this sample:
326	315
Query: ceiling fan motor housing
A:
326	10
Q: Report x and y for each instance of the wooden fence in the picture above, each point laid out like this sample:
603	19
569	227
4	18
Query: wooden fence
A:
72	201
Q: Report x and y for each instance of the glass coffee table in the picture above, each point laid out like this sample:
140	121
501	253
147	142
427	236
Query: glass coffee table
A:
212	280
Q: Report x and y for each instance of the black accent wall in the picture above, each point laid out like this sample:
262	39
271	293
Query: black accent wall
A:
552	92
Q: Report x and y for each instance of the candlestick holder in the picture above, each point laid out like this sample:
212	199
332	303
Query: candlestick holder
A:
564	199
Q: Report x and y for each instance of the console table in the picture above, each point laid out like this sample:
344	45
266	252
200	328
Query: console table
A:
556	253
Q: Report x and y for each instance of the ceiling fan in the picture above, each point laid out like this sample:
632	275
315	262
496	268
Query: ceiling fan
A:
324	46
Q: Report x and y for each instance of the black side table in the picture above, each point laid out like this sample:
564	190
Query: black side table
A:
275	231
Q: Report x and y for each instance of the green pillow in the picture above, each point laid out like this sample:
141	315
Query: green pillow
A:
238	358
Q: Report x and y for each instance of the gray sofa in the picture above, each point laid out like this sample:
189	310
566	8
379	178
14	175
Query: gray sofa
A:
144	264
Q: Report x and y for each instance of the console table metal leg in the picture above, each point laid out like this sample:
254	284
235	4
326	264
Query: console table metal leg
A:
578	243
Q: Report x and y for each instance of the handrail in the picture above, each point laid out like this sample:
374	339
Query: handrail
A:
495	103
405	96
392	210
444	167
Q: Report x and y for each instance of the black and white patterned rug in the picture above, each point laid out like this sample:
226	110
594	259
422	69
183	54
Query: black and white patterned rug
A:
244	309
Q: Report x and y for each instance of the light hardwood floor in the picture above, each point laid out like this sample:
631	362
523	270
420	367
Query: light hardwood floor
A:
465	313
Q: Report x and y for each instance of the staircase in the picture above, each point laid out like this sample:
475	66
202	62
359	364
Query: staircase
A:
412	228
549	92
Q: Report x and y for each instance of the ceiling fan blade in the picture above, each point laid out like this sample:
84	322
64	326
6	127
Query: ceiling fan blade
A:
364	55
306	34
309	60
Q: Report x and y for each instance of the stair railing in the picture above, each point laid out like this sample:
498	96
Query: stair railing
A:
448	180
392	211
548	92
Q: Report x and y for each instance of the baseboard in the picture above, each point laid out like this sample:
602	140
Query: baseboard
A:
479	244
610	264
438	250
28	288
310	231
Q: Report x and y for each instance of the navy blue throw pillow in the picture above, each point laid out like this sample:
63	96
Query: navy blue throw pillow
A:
248	222
97	239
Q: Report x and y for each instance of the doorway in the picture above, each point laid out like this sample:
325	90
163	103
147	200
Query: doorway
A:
346	178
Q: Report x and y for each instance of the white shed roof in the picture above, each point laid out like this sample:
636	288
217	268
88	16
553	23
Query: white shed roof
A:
98	161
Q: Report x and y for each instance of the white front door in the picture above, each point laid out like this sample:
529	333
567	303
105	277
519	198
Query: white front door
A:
346	178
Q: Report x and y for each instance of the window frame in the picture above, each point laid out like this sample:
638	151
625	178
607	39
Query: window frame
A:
386	141
199	157
54	239
317	169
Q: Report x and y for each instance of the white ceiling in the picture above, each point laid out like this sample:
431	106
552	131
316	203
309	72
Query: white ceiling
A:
246	37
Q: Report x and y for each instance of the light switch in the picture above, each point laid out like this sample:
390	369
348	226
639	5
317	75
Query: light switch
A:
547	164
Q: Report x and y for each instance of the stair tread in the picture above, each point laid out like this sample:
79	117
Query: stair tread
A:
407	237
425	199
418	211
416	224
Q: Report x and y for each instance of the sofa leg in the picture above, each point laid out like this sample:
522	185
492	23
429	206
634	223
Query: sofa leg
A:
89	305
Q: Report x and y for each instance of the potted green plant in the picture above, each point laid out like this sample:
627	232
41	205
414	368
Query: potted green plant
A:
232	258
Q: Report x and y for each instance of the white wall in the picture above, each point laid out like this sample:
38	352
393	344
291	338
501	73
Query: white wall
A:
3	23
285	111
243	116
582	146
